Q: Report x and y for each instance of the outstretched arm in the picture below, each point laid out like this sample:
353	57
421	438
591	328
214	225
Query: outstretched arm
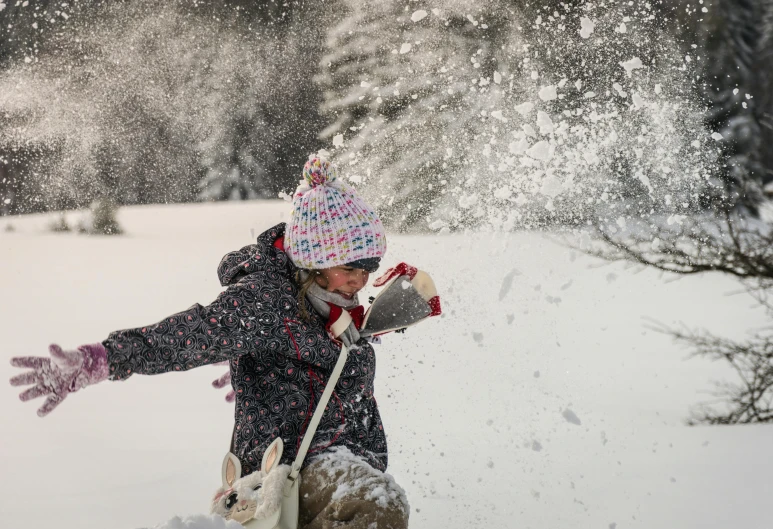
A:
238	322
192	338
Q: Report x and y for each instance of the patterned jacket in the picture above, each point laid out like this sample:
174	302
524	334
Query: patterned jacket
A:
279	362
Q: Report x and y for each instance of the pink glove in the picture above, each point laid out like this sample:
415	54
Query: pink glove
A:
224	381
64	373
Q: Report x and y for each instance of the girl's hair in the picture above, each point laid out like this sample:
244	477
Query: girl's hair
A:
303	288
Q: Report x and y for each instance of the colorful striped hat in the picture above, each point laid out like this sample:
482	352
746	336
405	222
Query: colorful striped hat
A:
330	224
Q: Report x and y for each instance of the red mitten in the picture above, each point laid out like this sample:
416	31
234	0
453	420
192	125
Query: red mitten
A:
402	269
408	297
419	279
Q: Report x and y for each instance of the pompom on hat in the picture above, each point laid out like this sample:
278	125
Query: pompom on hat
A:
330	224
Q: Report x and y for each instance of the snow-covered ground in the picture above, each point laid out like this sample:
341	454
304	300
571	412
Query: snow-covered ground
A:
539	400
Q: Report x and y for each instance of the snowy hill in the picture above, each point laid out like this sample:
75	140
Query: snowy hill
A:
539	400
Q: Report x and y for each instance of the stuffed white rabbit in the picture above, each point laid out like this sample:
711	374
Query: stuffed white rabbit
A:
253	500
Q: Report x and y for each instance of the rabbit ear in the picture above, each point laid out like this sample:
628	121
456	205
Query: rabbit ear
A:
232	470
272	455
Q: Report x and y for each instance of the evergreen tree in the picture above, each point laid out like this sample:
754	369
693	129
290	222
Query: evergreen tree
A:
734	39
272	119
396	81
734	36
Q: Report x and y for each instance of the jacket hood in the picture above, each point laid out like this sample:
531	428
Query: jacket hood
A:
263	256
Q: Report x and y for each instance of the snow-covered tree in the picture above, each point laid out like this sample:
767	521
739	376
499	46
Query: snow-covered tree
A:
510	114
737	34
732	40
272	119
395	81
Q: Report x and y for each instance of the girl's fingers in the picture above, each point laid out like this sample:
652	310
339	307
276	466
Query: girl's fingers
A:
30	377
64	358
29	362
223	381
55	351
33	393
48	406
230	396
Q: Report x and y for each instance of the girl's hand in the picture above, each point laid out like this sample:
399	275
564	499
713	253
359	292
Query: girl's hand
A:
223	381
63	373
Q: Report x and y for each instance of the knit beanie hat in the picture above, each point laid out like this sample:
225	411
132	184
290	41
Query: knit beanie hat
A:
330	224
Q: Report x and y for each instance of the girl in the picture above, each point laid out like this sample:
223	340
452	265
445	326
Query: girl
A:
271	325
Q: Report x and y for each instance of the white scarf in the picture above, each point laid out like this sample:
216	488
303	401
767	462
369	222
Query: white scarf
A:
319	299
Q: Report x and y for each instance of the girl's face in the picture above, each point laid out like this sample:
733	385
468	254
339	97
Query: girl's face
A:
343	280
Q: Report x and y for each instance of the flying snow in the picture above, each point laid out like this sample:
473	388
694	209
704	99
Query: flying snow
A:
551	186
524	108
548	93
507	283
418	15
544	123
571	417
632	65
212	521
467	201
586	27
540	151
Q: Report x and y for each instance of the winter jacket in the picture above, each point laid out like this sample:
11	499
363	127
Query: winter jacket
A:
279	362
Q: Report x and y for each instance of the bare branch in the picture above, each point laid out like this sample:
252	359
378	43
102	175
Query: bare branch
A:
729	244
750	400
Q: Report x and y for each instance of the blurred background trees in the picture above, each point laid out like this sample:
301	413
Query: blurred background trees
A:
142	102
447	114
